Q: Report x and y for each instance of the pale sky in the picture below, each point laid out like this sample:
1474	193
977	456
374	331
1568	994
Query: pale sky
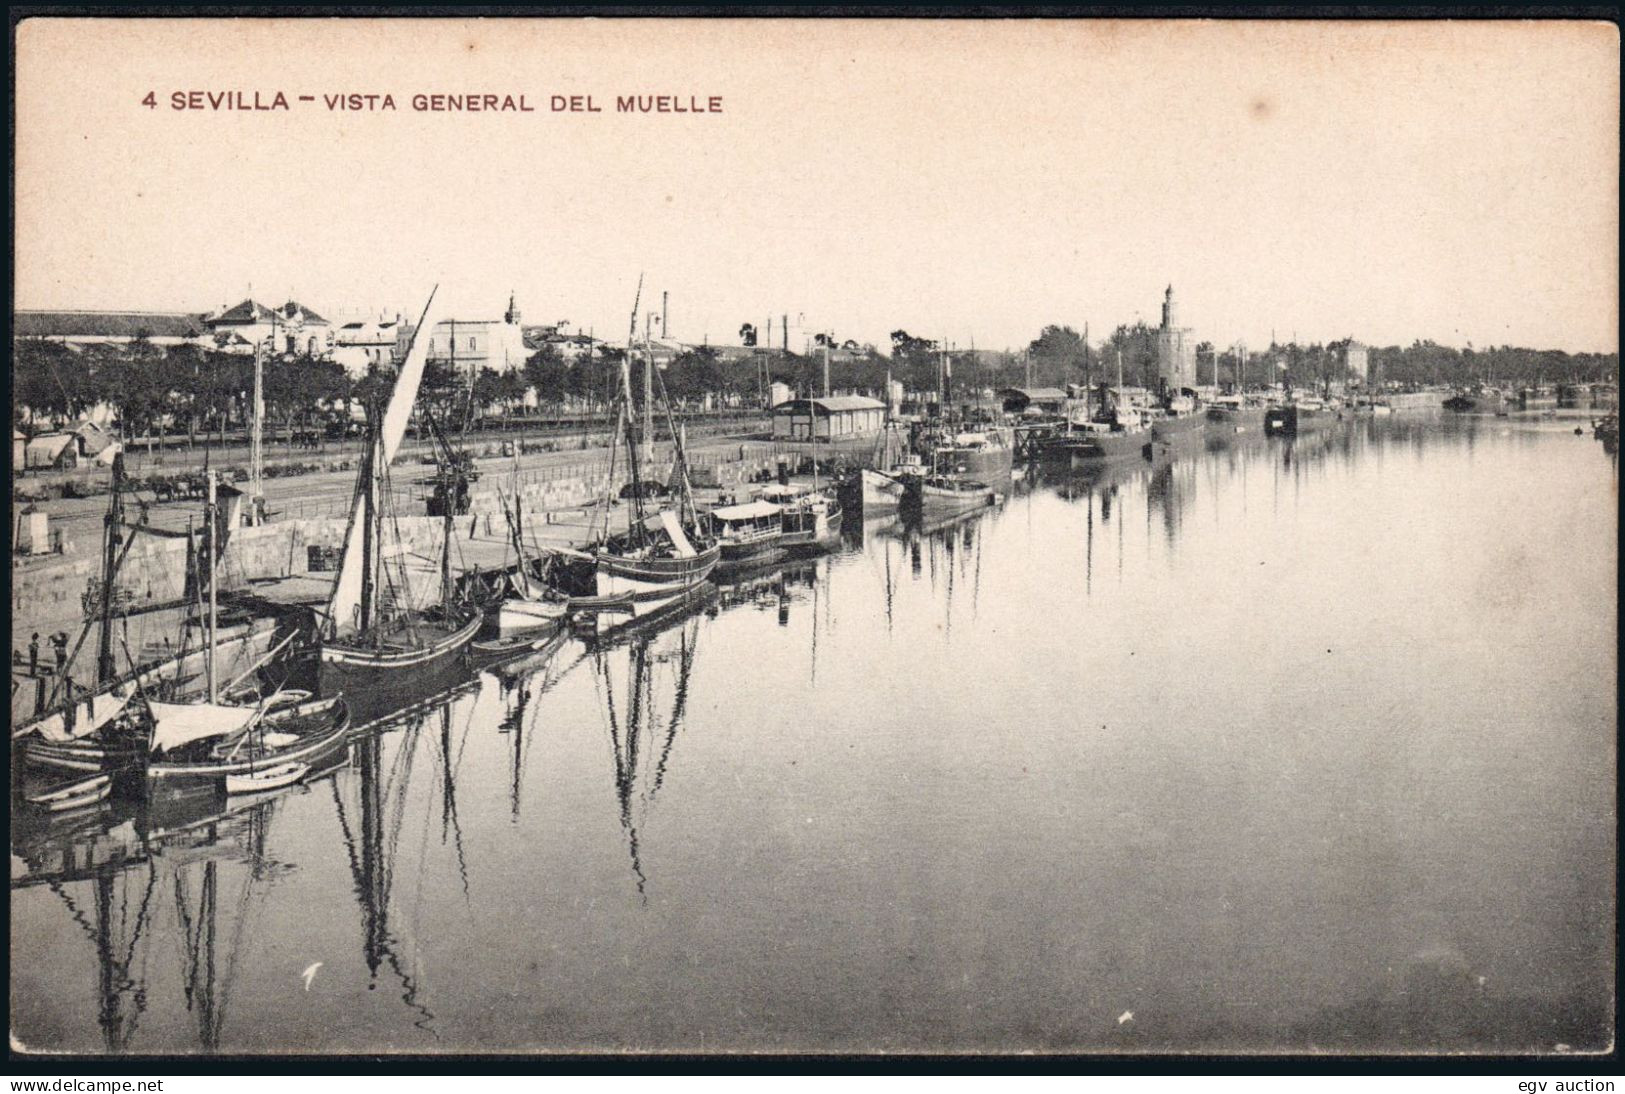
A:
968	181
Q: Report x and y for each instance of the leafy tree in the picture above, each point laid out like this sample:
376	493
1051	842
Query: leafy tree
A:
914	360
49	379
1138	346
1058	356
549	376
137	382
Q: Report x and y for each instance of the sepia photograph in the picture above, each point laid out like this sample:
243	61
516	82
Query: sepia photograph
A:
841	536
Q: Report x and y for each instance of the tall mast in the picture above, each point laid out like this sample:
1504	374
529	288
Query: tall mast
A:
827	338
626	391
648	396
214	531
369	537
1086	370
256	459
115	522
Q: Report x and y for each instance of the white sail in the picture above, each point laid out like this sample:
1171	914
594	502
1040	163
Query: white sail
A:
101	709
344	608
174	724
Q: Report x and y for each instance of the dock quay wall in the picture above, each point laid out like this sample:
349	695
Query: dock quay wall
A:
48	595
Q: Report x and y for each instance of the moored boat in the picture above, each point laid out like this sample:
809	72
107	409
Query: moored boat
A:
748	532
209	741
1298	417
880	491
952	493
1181	414
74	795
1236	413
270	778
367	641
811	519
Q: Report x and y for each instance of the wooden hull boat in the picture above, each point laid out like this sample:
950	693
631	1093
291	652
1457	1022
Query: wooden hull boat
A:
84	755
75	795
942	493
519	614
652	579
357	664
880	491
270	778
303	735
813	530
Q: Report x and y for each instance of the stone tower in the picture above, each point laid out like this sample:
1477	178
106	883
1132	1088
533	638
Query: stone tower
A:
1176	349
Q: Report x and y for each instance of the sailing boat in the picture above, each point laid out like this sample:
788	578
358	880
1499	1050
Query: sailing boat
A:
368	641
111	727
531	604
662	555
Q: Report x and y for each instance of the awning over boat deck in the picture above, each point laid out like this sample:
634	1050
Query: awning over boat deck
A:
750	510
175	724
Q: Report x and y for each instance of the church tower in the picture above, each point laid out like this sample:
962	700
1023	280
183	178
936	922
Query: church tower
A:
511	316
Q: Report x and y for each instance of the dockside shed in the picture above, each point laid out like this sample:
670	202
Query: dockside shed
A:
834	417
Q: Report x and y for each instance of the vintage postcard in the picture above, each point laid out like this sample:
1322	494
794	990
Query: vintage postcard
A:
560	535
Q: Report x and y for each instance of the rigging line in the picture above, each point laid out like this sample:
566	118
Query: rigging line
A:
189	940
73	910
349	838
450	805
679	705
398	817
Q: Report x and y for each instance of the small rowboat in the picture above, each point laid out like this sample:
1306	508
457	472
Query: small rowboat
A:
74	795
618	602
268	778
487	649
517	613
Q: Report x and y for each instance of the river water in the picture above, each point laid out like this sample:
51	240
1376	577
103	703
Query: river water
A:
1273	746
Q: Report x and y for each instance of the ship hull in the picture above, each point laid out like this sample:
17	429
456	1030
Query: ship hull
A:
824	533
1099	447
880	492
370	679
653	579
753	550
1164	428
1236	420
1291	420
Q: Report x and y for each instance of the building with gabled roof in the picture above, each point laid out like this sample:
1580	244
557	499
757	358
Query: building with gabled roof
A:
830	418
291	328
111	327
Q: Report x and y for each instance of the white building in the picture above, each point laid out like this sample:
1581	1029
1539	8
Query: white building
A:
291	328
366	344
497	344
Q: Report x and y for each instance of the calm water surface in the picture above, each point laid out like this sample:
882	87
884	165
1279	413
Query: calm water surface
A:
1276	746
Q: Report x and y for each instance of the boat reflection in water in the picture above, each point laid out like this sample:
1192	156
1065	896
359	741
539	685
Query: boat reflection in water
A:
194	869
479	869
641	672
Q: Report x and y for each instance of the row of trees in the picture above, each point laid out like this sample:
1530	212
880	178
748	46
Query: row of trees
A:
172	389
195	390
